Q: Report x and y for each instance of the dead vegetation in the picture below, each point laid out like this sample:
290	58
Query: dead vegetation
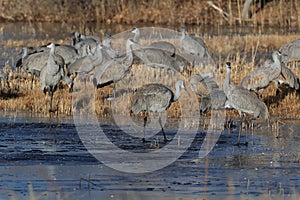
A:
244	52
280	13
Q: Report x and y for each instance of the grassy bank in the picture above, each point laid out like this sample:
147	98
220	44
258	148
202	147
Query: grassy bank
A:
244	52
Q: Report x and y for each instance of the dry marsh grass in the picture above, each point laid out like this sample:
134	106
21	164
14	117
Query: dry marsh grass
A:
244	52
173	12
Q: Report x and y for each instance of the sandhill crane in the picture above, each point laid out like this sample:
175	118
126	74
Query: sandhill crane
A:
166	46
156	58
155	98
203	84
67	52
243	100
215	100
192	46
86	43
75	38
108	48
87	63
287	77
51	74
290	52
115	69
261	77
34	62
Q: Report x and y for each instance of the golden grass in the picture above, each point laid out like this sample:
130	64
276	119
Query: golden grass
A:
281	12
244	52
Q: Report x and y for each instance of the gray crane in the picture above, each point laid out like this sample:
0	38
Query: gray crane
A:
86	43
113	70
195	47
287	77
156	58
260	78
108	48
75	38
166	46
155	98
290	52
51	74
87	63
244	101
203	84
67	52
215	100
34	62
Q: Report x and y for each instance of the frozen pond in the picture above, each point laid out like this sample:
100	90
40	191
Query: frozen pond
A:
46	156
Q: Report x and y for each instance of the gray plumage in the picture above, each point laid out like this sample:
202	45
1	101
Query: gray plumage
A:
51	74
155	98
215	100
75	38
33	63
165	46
113	70
67	52
261	77
194	47
85	44
243	100
287	77
290	52
108	48
87	63
203	84
91	62
156	58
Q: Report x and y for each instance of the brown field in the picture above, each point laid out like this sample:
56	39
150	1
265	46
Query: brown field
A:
281	13
244	52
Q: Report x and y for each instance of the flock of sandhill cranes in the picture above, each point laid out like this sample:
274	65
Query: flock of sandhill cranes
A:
87	55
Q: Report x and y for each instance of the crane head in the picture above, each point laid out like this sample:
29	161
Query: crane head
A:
228	65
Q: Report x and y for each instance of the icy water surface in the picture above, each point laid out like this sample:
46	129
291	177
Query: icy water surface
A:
46	158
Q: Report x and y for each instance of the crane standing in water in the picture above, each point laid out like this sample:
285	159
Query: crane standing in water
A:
51	74
155	98
244	101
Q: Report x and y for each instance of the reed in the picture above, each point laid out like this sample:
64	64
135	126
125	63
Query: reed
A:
244	52
283	13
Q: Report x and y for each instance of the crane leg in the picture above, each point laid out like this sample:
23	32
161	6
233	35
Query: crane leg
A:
32	79
246	128
162	129
145	122
51	97
240	130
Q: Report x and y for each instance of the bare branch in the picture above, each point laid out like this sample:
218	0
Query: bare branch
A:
223	13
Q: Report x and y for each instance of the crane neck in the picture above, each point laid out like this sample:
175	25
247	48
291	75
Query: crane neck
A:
52	49
177	91
128	59
226	80
276	60
137	35
25	53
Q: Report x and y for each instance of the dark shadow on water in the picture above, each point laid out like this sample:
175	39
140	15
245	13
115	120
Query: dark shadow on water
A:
135	144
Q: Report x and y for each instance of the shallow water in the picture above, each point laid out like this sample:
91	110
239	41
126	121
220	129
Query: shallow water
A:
46	156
